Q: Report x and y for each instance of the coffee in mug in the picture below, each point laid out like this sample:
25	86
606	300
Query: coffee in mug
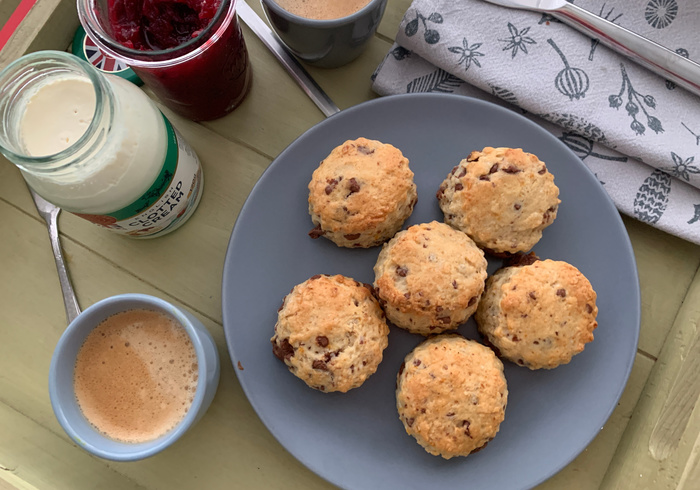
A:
136	375
322	9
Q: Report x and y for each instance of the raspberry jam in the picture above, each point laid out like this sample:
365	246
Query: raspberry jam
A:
193	53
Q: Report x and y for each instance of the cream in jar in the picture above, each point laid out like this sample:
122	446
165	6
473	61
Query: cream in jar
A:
97	146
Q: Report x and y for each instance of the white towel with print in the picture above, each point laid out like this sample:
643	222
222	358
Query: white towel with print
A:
639	133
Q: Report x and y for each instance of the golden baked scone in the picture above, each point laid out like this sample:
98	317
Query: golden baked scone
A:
331	332
361	194
538	315
429	278
501	197
451	395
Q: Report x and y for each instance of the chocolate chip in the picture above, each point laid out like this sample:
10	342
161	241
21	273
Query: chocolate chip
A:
314	277
462	173
493	169
517	206
543	170
409	422
441	191
364	363
416	362
459	186
327	357
354	186
519	260
511	169
561	292
438	309
320	365
536	342
454	284
472	300
317	232
331	185
322	341
403	366
521	362
515	338
454	169
401	271
356	245
407	295
450	414
444	319
532	295
589	308
357	303
479	448
352	236
422	410
365	150
282	351
556	333
473	156
466	424
485	177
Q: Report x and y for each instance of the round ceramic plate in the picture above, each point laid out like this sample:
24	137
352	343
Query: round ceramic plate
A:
355	440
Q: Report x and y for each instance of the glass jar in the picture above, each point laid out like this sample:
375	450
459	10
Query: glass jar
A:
96	146
202	79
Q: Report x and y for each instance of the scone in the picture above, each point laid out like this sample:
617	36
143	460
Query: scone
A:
538	315
361	194
429	278
502	198
331	333
451	395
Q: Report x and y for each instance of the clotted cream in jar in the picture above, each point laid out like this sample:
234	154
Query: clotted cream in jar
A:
96	146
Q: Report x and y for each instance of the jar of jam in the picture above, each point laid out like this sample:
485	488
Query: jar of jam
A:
96	146
190	53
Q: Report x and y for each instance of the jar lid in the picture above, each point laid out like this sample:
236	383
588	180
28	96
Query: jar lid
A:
86	49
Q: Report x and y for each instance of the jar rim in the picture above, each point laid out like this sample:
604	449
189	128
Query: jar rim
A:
61	159
154	58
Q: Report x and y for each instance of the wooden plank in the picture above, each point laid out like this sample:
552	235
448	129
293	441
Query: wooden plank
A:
666	266
645	459
50	24
54	463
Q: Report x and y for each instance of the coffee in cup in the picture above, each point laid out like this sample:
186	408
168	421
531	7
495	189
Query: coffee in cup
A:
135	375
322	9
325	33
148	393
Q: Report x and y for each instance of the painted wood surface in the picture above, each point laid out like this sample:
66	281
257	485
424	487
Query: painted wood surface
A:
230	448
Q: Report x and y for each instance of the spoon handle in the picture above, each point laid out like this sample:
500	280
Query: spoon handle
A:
647	53
69	299
49	212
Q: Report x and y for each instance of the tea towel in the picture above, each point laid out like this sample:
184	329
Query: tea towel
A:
639	133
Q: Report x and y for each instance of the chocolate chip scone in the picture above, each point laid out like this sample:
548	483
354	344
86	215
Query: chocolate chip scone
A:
429	278
361	194
538	315
451	395
331	333
501	197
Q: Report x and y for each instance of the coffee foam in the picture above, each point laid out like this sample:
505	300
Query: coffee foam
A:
135	375
322	9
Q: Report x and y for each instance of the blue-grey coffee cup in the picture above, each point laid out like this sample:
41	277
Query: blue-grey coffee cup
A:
326	43
62	394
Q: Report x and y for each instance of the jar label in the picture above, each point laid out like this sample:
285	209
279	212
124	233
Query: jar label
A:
170	200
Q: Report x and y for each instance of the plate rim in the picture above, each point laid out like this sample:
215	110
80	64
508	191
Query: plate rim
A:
458	99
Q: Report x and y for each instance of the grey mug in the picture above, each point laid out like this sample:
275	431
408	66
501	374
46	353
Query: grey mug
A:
326	43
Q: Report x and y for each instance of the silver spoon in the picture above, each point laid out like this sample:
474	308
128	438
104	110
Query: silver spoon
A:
50	212
641	50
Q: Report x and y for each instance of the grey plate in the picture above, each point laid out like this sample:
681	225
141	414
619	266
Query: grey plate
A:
355	440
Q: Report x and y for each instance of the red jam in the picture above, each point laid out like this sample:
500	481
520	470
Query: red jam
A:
159	24
204	87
